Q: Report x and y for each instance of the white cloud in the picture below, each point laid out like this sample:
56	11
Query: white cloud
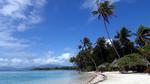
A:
9	42
53	59
108	41
91	4
17	16
64	56
19	8
14	8
48	58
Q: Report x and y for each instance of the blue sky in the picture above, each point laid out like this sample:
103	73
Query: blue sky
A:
38	32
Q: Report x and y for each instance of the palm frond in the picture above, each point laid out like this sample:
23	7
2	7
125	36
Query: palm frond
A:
95	13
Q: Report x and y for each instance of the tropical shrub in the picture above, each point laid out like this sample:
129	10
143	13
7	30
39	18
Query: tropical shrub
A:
89	68
145	50
111	68
107	67
134	62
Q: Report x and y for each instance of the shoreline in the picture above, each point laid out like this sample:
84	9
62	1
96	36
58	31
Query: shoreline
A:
118	78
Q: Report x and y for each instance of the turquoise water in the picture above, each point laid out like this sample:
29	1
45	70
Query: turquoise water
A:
40	77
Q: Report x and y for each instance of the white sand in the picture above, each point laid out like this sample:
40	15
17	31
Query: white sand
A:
118	78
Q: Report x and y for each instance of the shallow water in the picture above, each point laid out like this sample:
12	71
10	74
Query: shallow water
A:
42	77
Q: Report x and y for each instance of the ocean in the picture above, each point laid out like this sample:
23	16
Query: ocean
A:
42	77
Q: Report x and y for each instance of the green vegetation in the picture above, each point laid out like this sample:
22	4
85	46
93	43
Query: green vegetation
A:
143	36
106	10
130	61
58	68
91	55
120	53
145	50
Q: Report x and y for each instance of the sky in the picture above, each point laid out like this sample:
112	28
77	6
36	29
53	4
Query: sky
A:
40	32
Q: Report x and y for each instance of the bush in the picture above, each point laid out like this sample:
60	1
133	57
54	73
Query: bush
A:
89	68
107	67
145	50
134	62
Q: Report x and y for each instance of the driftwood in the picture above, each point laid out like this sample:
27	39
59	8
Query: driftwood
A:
104	77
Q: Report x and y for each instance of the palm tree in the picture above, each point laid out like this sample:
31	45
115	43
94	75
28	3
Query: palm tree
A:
123	35
100	43
105	10
145	50
87	46
143	36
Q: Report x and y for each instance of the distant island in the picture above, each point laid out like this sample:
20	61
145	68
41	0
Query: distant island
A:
57	68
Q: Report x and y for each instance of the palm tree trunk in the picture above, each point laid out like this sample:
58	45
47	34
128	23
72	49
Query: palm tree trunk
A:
101	54
110	39
123	51
95	65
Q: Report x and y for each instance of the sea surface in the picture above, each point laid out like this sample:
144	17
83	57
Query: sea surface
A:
42	77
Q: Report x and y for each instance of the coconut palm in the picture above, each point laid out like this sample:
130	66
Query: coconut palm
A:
87	46
143	36
105	10
100	43
123	35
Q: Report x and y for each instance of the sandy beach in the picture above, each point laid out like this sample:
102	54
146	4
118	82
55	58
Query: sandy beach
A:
118	78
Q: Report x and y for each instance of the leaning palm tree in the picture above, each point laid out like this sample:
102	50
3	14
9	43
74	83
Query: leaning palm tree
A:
143	36
105	10
87	46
